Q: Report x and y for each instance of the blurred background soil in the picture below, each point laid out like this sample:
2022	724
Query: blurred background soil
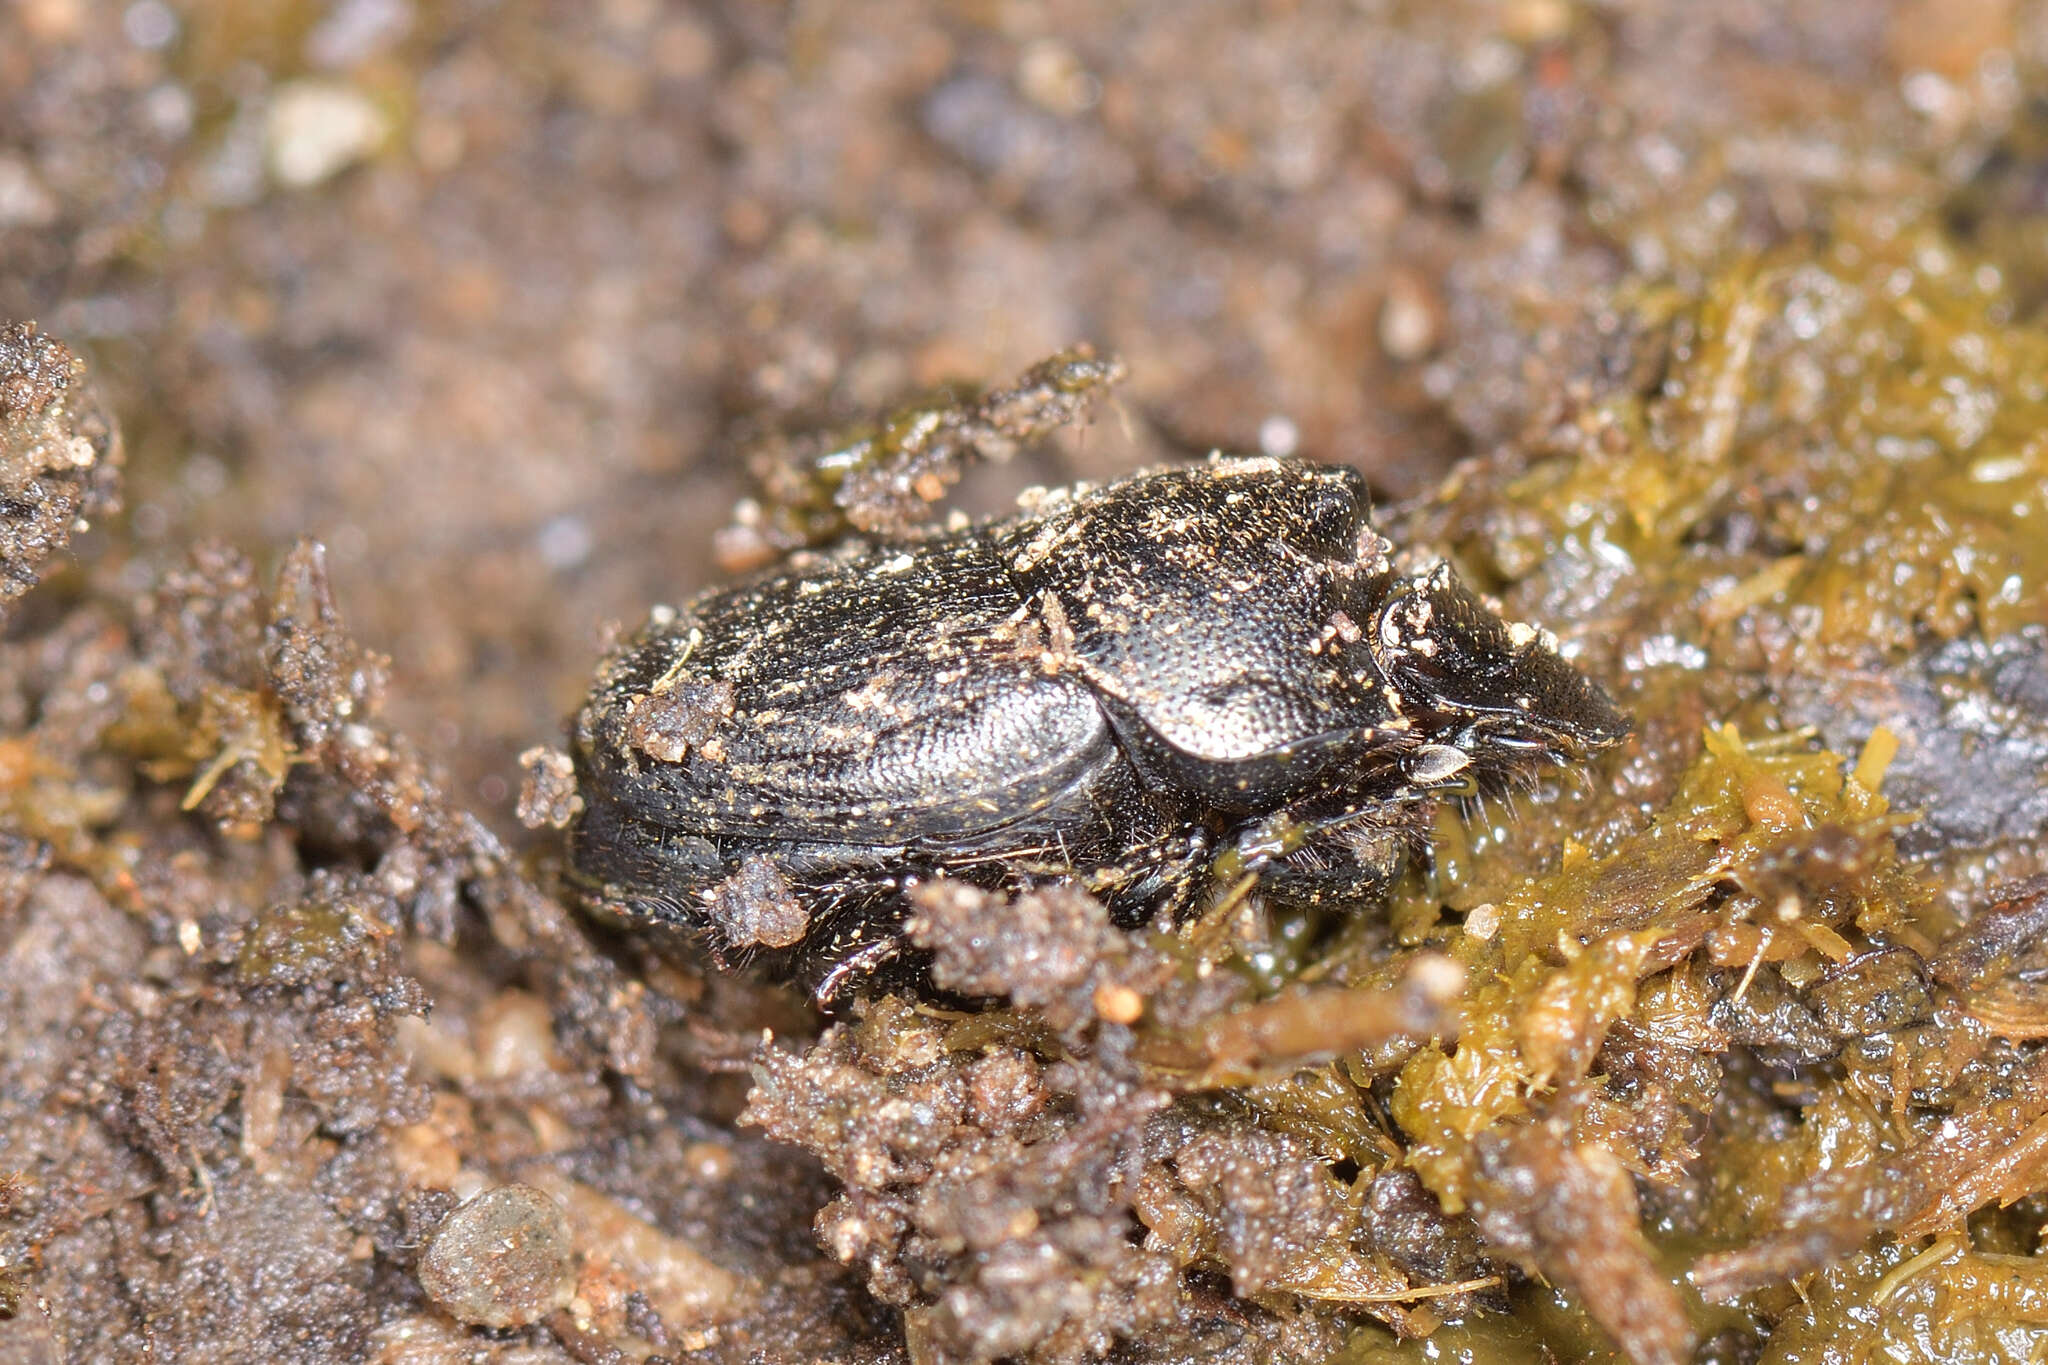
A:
485	297
491	300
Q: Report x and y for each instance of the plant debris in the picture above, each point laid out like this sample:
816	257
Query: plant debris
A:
880	478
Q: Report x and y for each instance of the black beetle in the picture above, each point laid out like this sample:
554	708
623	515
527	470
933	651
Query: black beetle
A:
1210	668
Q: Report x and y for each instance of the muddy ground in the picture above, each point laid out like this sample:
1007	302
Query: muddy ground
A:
391	358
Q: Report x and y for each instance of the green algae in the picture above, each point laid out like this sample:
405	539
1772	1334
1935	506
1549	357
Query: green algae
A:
1840	469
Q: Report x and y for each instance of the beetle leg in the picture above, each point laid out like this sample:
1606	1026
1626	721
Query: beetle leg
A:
1155	880
1355	865
857	961
856	941
1309	856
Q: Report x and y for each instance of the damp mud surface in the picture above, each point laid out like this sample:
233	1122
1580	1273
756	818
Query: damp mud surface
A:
388	361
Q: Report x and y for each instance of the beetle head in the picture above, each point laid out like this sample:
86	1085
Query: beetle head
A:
1496	692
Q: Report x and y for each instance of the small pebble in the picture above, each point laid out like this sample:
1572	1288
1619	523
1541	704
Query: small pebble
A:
755	905
504	1259
24	202
1408	322
547	795
317	128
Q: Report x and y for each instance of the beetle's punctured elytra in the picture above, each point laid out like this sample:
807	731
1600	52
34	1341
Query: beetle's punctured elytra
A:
1133	684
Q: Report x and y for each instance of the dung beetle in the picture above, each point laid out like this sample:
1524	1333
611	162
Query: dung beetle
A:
1141	685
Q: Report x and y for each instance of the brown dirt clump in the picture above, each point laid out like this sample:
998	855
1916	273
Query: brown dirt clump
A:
59	455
